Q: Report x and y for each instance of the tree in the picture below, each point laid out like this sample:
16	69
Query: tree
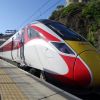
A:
60	7
1	34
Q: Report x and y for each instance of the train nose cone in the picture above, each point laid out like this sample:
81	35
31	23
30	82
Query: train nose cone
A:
87	65
92	60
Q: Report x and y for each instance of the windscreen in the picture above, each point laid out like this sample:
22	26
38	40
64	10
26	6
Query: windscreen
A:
62	31
63	48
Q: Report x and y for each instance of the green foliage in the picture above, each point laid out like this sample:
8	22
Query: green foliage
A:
62	12
60	7
92	10
72	8
92	13
83	18
91	37
56	13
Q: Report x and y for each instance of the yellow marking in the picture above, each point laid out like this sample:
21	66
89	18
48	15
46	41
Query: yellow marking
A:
11	92
5	79
80	46
8	89
91	58
2	72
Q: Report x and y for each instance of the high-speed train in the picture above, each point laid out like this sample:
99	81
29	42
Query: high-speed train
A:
54	51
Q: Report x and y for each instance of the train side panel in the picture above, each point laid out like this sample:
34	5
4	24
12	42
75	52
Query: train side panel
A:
6	50
31	55
50	59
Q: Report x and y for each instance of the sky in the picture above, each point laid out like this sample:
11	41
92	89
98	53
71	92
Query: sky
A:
15	14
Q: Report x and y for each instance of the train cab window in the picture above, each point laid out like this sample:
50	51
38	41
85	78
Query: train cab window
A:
32	33
62	31
62	47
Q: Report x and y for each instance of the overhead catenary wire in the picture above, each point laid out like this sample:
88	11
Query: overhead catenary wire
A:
37	11
48	9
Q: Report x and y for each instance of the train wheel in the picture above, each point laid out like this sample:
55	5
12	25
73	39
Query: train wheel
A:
42	76
25	67
32	71
35	72
18	65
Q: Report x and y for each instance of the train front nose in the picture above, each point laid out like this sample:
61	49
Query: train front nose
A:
91	60
87	64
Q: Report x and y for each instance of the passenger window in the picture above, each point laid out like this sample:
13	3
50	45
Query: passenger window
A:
17	36
32	33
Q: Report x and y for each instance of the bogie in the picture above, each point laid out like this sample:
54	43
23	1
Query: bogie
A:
35	72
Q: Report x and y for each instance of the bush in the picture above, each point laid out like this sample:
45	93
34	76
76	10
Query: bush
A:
72	8
92	13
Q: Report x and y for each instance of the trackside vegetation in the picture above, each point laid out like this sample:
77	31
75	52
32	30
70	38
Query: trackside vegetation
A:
83	18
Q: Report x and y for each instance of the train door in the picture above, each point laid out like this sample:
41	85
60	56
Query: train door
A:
22	57
31	49
12	47
18	46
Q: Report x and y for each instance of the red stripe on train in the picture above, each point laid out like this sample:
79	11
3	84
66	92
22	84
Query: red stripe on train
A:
46	34
78	74
48	37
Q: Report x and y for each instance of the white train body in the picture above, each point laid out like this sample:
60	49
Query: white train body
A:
38	46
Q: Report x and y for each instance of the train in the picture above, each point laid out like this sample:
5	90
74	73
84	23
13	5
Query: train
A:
52	50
